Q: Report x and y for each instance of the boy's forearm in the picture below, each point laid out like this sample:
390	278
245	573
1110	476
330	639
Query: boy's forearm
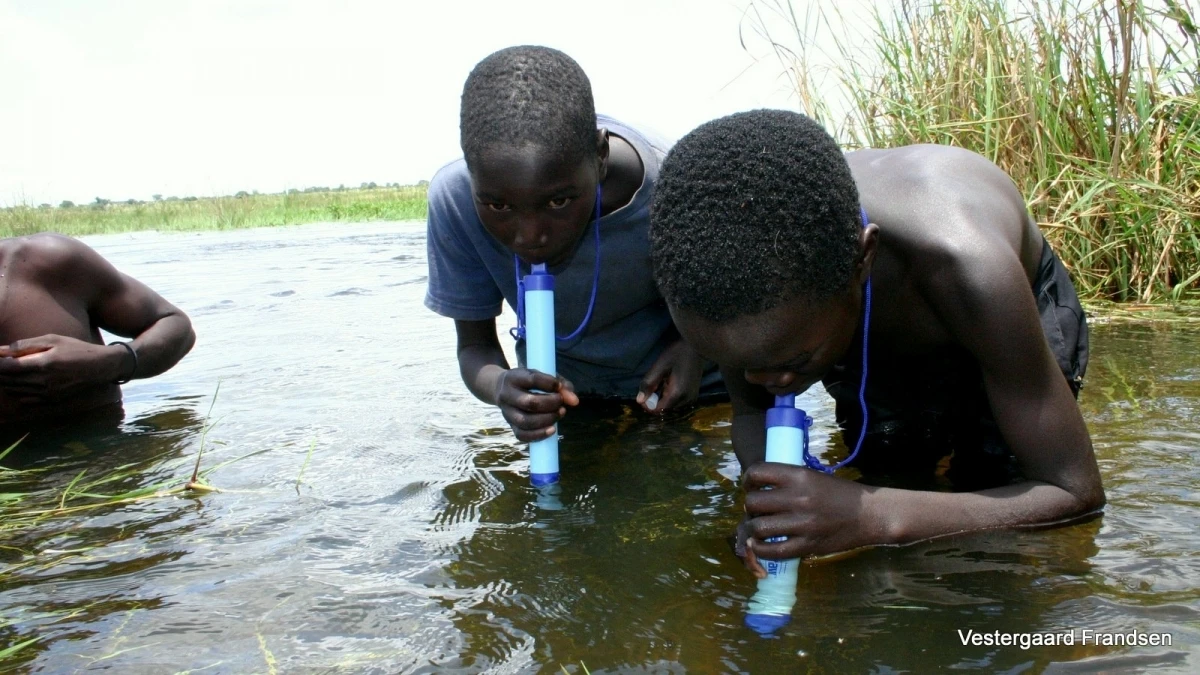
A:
481	368
162	345
904	516
749	436
750	404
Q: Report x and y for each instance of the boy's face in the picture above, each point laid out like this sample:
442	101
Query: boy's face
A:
785	349
535	204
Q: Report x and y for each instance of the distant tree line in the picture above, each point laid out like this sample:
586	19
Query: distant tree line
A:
100	202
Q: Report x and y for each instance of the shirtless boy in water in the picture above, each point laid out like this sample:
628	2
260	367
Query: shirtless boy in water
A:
56	294
767	243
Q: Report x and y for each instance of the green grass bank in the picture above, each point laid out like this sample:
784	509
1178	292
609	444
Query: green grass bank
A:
1090	105
219	213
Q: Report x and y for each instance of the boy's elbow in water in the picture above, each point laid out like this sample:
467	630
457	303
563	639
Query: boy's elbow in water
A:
1077	476
1089	495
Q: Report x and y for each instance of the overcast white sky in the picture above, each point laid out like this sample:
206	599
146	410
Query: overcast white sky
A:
206	97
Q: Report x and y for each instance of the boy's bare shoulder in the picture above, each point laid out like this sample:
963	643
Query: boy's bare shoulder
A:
952	219
942	202
45	256
922	160
924	180
47	247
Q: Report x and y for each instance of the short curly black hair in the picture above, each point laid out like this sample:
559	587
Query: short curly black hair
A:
528	95
751	210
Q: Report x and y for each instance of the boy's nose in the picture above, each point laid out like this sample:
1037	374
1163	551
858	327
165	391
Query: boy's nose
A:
531	234
771	379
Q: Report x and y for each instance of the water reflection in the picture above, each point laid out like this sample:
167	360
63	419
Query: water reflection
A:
677	598
635	560
388	524
92	548
641	501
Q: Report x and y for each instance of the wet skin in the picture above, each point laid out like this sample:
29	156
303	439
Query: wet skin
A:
56	294
539	206
952	253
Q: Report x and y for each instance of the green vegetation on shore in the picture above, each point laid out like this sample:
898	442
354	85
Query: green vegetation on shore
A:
219	213
1091	107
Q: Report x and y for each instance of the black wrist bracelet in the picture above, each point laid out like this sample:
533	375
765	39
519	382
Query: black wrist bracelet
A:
132	353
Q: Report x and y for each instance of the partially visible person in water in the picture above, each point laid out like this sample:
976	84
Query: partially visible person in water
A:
56	294
775	252
545	180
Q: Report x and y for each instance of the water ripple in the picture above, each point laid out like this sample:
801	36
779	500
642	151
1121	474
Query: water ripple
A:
380	520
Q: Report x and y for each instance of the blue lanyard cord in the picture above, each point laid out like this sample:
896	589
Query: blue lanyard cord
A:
519	332
815	463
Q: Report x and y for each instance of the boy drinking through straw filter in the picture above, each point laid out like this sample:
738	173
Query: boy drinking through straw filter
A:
774	252
544	180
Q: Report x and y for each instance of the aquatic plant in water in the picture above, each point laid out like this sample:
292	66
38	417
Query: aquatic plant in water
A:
32	518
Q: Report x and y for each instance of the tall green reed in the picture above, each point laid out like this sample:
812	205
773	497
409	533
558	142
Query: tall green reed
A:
1090	106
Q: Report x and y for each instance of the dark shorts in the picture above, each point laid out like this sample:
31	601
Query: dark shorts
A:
932	419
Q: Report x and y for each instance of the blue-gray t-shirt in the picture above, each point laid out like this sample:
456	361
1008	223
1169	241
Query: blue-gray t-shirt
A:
471	274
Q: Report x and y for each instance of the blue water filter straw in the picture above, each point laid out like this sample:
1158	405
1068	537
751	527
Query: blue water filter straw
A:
539	355
770	608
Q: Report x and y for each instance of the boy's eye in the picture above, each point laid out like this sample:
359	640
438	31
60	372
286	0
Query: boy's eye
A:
559	202
498	207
